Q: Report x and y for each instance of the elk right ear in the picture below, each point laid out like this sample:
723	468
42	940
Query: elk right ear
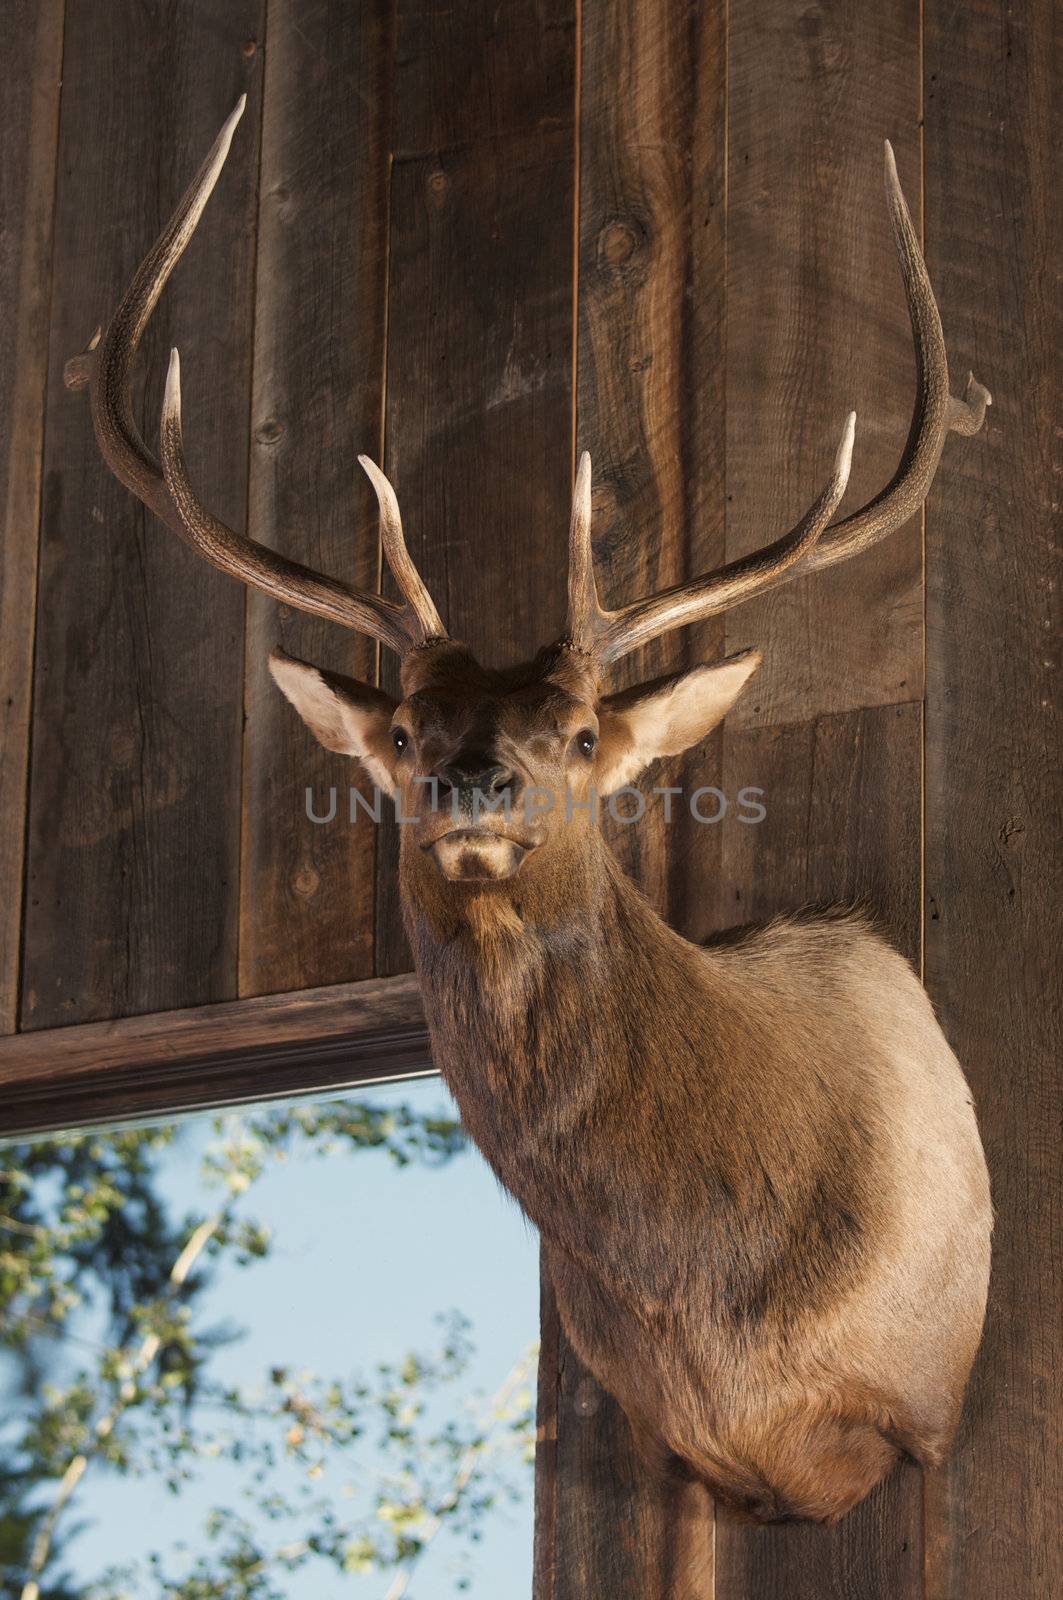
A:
665	717
347	716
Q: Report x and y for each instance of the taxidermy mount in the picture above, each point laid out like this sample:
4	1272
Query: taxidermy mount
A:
754	1164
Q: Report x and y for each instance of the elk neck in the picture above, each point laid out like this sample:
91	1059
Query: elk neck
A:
545	995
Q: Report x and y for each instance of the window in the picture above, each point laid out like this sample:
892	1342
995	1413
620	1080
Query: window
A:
286	1350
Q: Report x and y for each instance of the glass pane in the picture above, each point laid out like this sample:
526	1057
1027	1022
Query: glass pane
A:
282	1352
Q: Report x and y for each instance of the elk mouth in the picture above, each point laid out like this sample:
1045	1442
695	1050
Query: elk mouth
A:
480	855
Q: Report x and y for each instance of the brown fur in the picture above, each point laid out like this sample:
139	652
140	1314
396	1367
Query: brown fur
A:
754	1165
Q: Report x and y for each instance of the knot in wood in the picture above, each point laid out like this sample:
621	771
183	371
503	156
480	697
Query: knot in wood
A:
269	430
618	242
306	881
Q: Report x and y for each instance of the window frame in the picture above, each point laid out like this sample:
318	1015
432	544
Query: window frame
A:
201	1058
239	1052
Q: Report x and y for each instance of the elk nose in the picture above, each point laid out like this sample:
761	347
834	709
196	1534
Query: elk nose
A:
475	775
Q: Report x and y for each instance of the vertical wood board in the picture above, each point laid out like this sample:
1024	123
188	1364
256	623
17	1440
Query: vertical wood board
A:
29	118
306	888
478	430
650	404
134	824
993	761
816	327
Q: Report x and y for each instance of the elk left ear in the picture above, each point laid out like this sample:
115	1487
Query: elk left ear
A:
665	717
344	715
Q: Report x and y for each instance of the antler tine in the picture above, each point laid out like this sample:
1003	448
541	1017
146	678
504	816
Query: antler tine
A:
255	564
584	611
608	635
106	367
398	557
936	413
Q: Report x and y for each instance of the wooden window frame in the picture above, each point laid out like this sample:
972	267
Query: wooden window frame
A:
231	1053
240	1052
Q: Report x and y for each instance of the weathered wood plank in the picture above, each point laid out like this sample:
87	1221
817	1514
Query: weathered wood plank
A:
650	408
617	1532
29	122
650	401
133	831
816	326
841	797
843	824
544	1557
306	891
478	432
993	763
335	1011
338	1011
212	1055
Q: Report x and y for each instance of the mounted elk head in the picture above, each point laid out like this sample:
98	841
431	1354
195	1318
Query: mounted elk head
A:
754	1164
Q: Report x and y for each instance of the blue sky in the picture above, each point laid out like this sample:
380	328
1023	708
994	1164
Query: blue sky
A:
365	1255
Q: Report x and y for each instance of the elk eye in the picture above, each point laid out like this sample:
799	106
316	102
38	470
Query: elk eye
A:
586	741
400	738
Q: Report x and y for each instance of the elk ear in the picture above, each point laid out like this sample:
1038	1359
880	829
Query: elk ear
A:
665	717
347	716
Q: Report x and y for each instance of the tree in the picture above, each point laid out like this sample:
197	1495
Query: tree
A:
87	1242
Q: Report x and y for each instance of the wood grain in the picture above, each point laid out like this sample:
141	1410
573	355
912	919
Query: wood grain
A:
843	825
841	798
816	325
993	763
617	1533
650	402
478	431
238	1050
29	120
544	1554
652	315
133	828
306	890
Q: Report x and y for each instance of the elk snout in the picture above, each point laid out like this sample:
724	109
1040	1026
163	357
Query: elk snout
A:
472	778
479	793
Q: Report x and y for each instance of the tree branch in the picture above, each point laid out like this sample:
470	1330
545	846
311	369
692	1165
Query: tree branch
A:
149	1349
462	1477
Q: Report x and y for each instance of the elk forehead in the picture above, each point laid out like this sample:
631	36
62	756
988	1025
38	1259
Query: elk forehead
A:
447	664
450	695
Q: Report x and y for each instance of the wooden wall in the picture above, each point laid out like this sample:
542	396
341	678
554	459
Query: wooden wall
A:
471	240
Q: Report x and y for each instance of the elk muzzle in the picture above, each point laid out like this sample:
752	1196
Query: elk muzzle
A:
473	836
478	855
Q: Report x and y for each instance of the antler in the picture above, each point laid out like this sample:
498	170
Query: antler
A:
106	368
812	544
